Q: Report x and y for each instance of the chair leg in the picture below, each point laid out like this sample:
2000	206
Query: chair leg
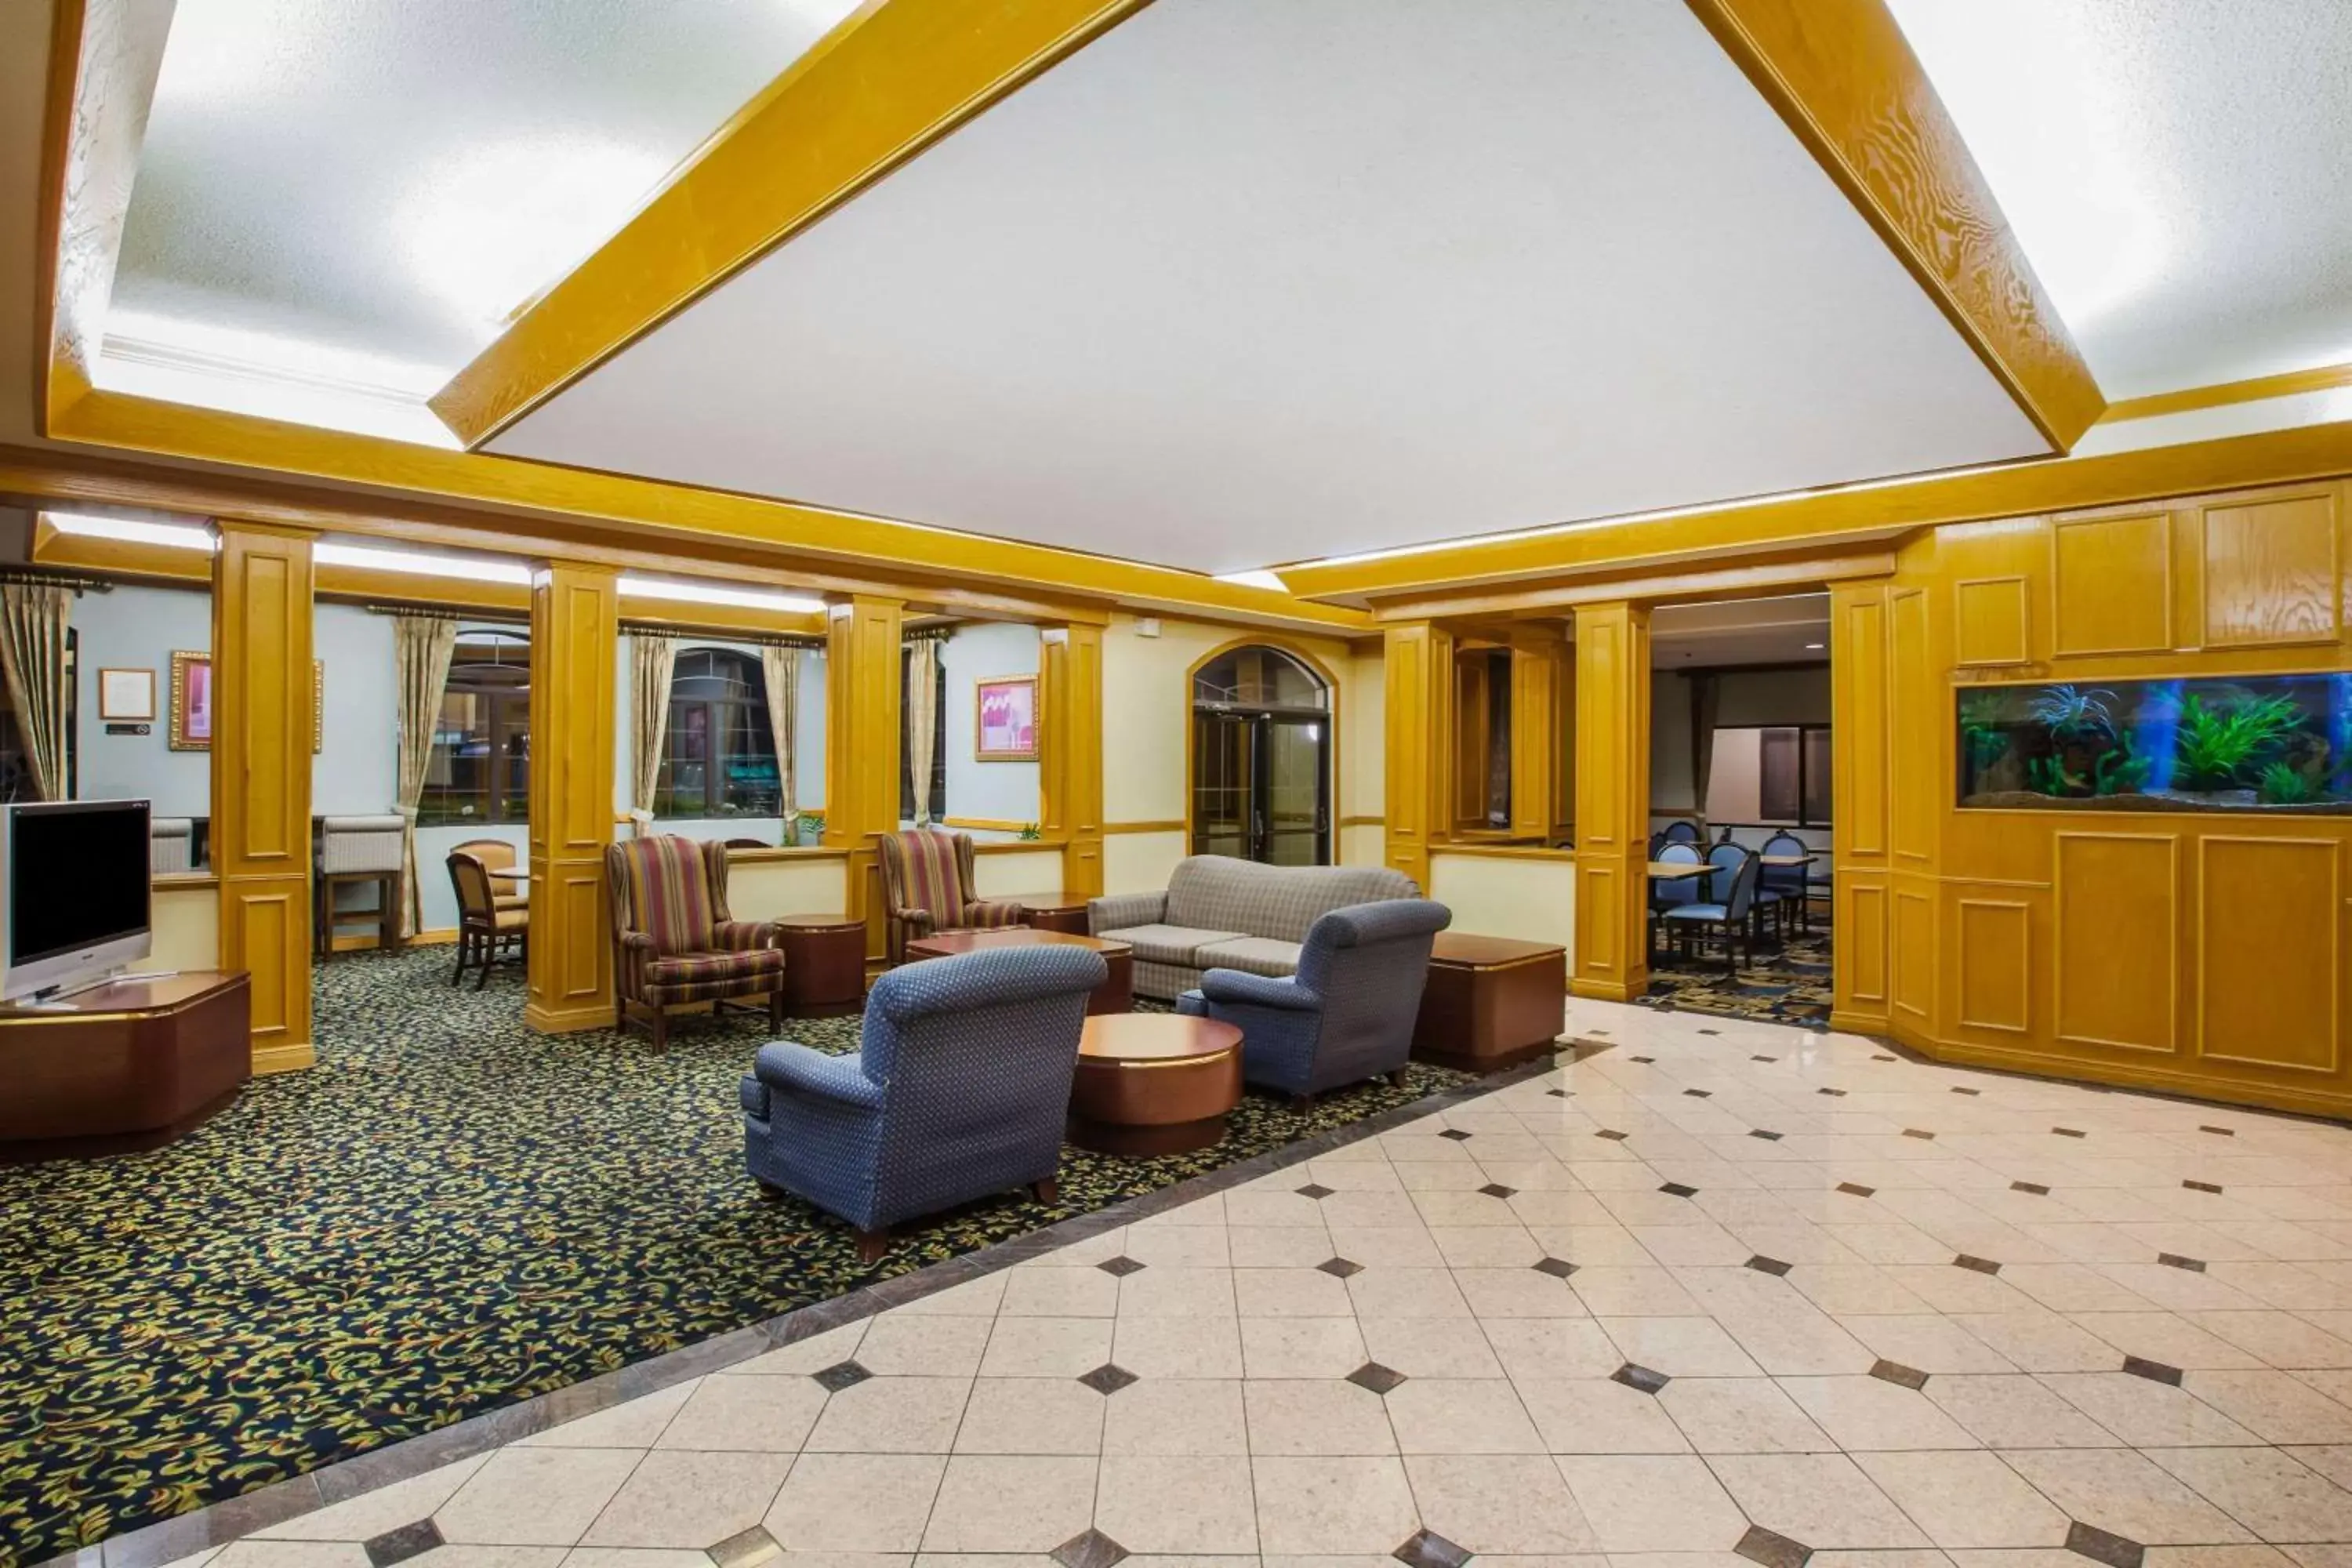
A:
489	953
1396	1078
1048	1191
661	1028
769	1191
776	1010
872	1245
459	973
1302	1102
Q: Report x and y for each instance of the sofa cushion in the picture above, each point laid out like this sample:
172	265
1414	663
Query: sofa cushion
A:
1218	892
1168	943
1251	955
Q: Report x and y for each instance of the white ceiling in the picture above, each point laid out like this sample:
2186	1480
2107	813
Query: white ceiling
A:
1244	283
1790	629
360	191
2176	169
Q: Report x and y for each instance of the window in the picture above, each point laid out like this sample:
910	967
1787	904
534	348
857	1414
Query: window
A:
1771	777
481	771
15	767
719	756
938	780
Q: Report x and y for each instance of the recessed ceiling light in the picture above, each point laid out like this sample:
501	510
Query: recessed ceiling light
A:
1814	647
171	535
704	593
468	568
1257	579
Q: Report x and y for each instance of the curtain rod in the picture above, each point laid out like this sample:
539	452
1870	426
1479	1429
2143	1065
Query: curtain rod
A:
926	633
79	583
719	634
449	613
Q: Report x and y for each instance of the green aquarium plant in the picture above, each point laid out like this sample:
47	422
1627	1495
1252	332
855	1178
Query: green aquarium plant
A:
2070	713
2281	784
1981	732
2119	770
2218	742
2049	775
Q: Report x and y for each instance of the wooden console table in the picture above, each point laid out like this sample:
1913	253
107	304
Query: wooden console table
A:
1490	1002
123	1067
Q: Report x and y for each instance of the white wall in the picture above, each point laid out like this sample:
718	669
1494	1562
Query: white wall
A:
357	770
1744	698
1529	898
136	626
978	791
433	847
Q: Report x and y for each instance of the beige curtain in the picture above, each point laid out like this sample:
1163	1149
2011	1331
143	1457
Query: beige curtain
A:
33	618
1705	694
422	647
922	720
654	661
780	668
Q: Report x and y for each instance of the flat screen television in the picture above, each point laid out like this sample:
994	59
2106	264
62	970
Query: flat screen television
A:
74	892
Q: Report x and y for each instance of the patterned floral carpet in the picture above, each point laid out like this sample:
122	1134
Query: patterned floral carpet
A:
1787	985
446	1214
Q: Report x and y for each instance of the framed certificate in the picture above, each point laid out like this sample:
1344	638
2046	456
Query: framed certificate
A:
127	696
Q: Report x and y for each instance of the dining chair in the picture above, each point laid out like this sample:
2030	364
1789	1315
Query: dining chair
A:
486	930
1731	894
1784	888
497	854
1683	831
1665	896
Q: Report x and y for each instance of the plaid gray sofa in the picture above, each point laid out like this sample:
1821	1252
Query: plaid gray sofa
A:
1223	913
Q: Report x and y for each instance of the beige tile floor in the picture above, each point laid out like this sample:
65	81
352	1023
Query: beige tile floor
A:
1723	1289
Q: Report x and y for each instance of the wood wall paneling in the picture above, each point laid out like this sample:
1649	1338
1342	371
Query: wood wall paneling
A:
1989	622
1613	801
1919	784
1070	694
2116	966
1993	967
2111	584
261	779
2272	570
1860	764
574	704
1417	706
862	741
1542	689
1914	948
2270	952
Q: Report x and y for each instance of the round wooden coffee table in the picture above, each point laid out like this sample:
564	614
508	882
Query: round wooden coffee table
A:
1154	1083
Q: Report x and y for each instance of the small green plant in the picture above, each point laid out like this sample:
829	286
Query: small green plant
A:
2049	775
1981	732
1029	832
2119	769
2217	742
811	826
2070	713
2282	785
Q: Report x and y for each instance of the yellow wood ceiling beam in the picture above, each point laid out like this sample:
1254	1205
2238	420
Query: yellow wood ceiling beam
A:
877	89
2255	389
1842	77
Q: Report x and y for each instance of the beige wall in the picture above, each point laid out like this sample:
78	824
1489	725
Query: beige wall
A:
1139	862
1003	873
798	884
185	918
1529	898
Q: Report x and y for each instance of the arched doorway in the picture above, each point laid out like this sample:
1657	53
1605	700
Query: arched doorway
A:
1261	785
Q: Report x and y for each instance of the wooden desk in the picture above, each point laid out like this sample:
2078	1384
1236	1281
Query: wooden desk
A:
1678	871
1154	1083
1783	862
1116	994
125	1067
1490	1002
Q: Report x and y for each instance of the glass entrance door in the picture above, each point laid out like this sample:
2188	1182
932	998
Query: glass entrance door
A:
1261	787
1224	767
1295	826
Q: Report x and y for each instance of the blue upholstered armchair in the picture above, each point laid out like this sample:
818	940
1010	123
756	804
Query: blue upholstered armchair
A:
958	1091
1347	1015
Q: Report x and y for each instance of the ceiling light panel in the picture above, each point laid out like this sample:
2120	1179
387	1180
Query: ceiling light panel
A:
711	594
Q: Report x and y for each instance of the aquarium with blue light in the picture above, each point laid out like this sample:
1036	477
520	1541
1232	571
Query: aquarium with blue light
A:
2266	744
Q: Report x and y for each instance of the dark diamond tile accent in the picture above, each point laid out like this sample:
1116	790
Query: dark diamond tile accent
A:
1613	1134
1772	1266
841	1374
1119	1267
1963	1088
2201	1186
1316	1189
1914	1133
1710	1031
400	1545
1768	1136
1109	1378
1896	1372
1981	1265
1427	1549
1640	1377
1558	1268
1773	1550
1856	1188
1581	1048
1455	1133
2221	1132
1882	1058
1833	1093
1557	1093
2036	1188
750	1548
1092	1550
1677	1190
2174	1260
2103	1546
1640	1058
1602	1033
1497	1190
2070	1132
2154	1371
1700	1093
1339	1267
1378	1378
1763	1058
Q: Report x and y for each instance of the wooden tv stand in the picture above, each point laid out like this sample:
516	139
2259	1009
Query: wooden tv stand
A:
122	1067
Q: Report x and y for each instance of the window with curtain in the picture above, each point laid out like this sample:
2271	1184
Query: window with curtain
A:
481	771
15	765
719	758
938	780
1774	775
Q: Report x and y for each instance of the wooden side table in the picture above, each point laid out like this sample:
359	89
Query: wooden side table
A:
1064	912
1115	994
1154	1083
824	964
125	1067
1490	1002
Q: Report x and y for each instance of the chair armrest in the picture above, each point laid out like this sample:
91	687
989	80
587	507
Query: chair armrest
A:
742	936
1234	986
990	912
1121	911
916	921
637	942
797	1069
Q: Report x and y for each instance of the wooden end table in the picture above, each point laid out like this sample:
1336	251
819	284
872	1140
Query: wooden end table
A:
1154	1083
824	964
1490	1002
1116	994
1064	912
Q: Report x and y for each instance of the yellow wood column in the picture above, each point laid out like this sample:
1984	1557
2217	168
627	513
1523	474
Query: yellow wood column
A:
1612	962
1543	686
574	704
1417	668
862	744
1069	690
1862	724
263	711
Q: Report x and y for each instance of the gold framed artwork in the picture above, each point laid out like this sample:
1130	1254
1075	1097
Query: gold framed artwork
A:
191	702
126	696
1006	726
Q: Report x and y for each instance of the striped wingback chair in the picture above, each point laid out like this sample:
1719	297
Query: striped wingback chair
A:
675	944
927	876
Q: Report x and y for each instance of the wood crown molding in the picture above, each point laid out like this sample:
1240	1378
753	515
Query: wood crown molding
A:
2220	394
887	82
1842	77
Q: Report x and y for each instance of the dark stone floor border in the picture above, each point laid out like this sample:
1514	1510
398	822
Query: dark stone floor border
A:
235	1517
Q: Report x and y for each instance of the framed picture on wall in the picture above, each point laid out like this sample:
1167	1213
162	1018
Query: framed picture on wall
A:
1007	730
191	702
126	696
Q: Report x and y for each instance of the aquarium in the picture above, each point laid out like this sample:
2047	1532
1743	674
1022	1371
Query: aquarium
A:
2268	743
